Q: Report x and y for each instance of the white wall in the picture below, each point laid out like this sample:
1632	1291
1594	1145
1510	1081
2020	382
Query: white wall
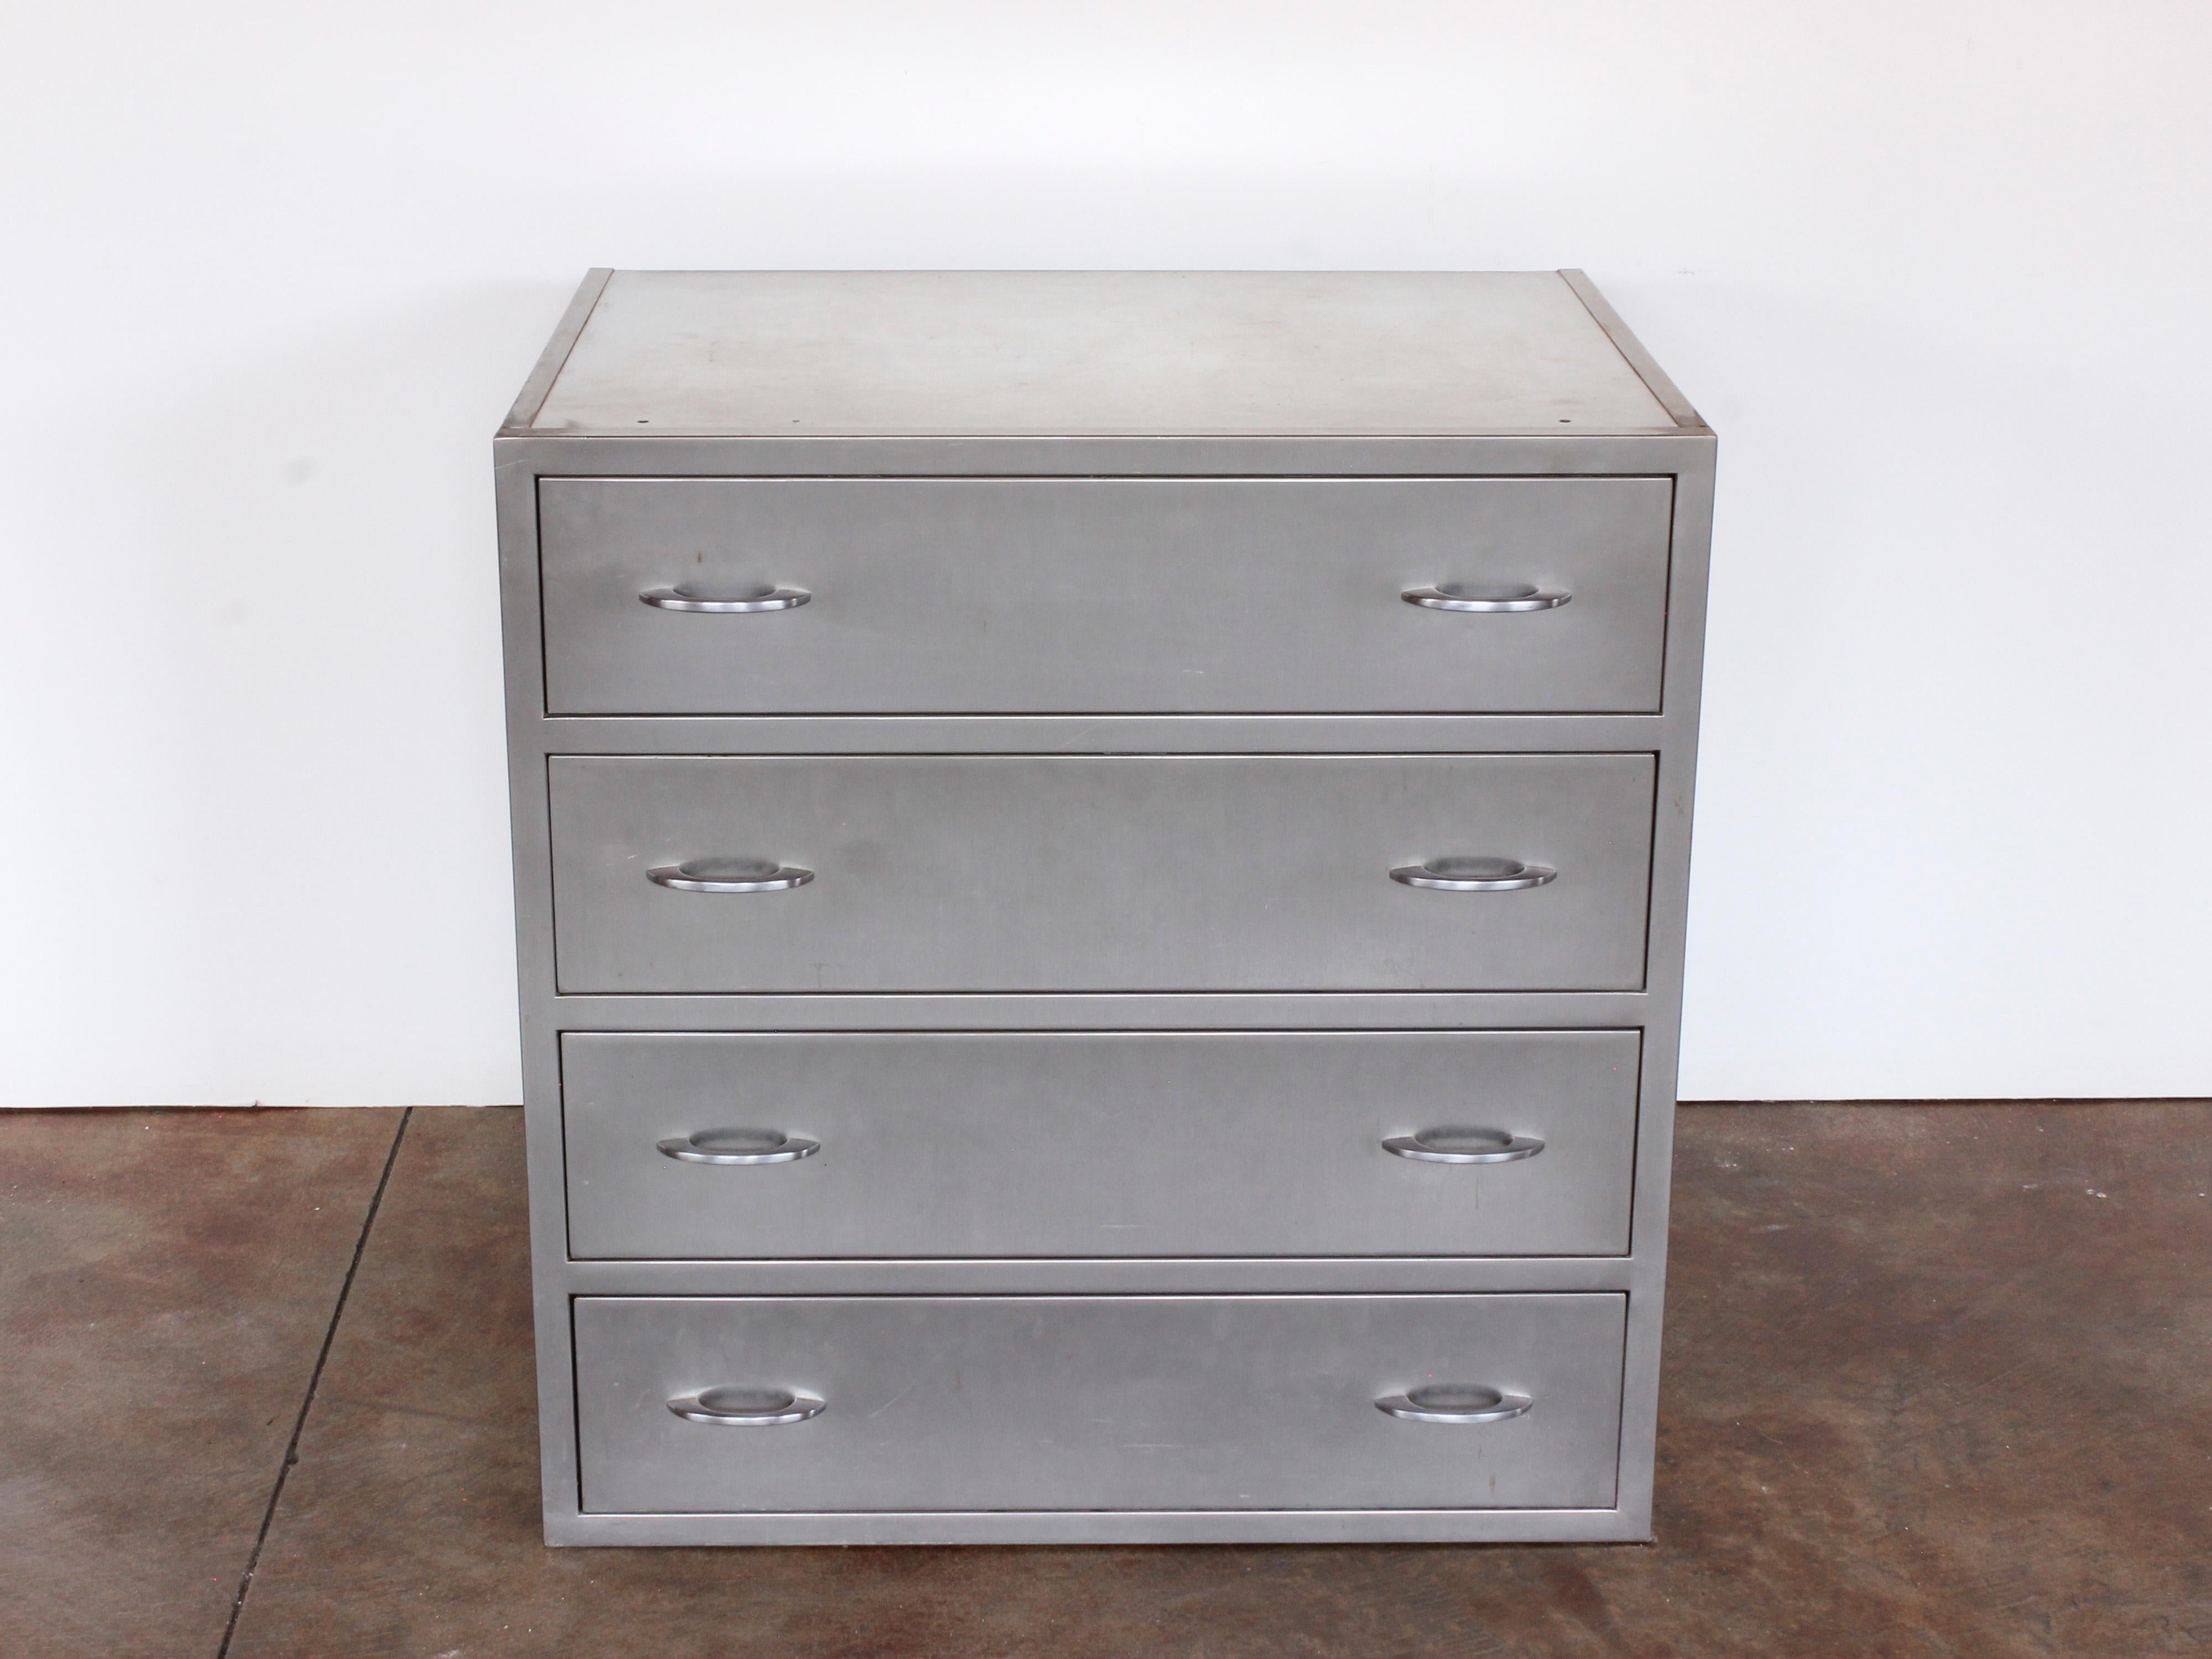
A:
1934	269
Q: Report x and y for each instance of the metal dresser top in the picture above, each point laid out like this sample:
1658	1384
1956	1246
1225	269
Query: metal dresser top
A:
1093	354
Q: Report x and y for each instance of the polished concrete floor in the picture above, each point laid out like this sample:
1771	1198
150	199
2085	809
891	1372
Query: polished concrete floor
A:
1938	1382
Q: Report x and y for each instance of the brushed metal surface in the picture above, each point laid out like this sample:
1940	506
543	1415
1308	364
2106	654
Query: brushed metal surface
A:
1100	872
1099	1144
1059	1403
793	353
991	595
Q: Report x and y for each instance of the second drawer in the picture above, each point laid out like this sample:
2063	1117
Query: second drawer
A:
1098	1143
1134	872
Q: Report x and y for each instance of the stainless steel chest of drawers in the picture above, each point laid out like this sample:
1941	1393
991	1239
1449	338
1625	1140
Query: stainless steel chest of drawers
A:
1100	867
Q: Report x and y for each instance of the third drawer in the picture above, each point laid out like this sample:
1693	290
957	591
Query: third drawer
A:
705	874
1130	1144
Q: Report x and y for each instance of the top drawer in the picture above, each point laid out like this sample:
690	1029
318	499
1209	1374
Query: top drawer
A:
980	596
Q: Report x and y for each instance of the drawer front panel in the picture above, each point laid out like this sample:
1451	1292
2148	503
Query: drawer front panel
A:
1098	873
951	1403
999	596
1111	1143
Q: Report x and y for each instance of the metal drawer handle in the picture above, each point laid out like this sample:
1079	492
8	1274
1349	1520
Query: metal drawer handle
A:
1460	1146
731	876
726	601
739	1146
746	1408
1478	875
1454	1402
1486	596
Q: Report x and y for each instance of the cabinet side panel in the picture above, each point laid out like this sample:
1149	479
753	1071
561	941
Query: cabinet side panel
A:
517	499
1670	883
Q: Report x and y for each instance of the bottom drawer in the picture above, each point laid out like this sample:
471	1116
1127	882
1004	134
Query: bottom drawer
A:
1125	1402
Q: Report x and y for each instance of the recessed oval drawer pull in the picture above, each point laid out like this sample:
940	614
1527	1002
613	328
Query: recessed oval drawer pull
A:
1486	596
1454	1402
1475	875
730	600
1463	1146
746	1408
732	876
739	1146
